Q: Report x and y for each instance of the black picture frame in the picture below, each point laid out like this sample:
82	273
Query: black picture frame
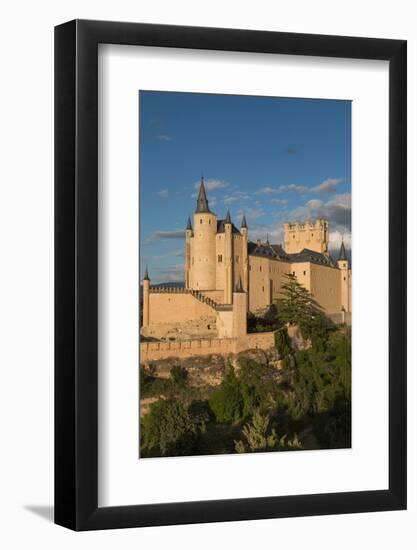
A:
76	272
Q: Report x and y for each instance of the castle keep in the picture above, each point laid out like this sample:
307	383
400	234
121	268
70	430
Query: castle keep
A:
227	275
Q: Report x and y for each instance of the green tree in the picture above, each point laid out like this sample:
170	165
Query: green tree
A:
296	305
227	403
257	386
169	428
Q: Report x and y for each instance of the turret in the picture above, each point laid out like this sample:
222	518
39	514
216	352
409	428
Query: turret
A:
228	259
188	251
203	245
244	226
240	307
245	260
146	288
202	202
342	253
343	265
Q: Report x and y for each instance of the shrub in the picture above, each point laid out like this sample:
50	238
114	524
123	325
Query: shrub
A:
169	427
281	342
227	403
257	436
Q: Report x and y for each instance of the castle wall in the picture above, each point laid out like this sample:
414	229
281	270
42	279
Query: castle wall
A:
266	277
172	307
326	288
153	351
303	273
216	295
225	323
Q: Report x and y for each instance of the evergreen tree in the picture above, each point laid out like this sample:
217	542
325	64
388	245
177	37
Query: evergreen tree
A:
227	402
298	307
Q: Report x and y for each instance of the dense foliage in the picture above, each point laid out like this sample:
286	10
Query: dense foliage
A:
304	404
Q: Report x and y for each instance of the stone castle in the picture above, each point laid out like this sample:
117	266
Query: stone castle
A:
227	276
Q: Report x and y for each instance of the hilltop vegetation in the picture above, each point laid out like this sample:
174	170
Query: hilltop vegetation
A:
258	408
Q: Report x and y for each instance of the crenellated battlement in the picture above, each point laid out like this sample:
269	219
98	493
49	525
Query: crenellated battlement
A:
313	235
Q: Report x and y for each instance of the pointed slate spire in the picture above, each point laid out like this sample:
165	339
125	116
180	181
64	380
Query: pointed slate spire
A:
228	218
342	253
202	202
267	238
146	276
239	287
243	225
189	226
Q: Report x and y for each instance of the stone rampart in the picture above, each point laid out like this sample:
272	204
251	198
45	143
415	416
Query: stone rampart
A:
154	351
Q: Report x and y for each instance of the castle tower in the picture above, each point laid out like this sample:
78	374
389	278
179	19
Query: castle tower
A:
245	259
203	248
343	265
146	289
188	241
228	259
240	306
307	234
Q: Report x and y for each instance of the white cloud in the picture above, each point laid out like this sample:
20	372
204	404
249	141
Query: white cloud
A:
266	191
164	193
236	196
169	274
212	184
282	189
327	185
324	187
337	211
294	188
336	237
251	213
275	233
161	235
164	137
279	201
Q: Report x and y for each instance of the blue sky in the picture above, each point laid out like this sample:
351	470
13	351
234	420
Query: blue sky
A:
276	159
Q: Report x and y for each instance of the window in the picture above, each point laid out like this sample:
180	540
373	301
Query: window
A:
219	258
304	272
293	272
209	222
260	268
263	289
344	278
201	220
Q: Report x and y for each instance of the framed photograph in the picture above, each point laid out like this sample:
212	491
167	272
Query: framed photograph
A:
230	244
